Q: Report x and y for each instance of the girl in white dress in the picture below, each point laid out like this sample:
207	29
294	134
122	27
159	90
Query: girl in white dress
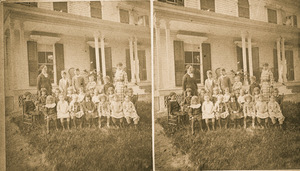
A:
209	83
81	95
63	111
104	109
237	85
117	111
261	108
208	112
226	97
130	111
275	111
248	110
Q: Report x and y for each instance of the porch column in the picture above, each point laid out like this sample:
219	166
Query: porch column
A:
250	56
156	60
136	61
201	64
167	31
96	38
103	56
279	63
244	55
12	55
283	61
131	61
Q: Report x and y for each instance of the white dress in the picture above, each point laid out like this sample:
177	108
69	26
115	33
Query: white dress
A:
261	110
116	110
80	97
104	109
129	111
63	110
226	97
275	111
207	110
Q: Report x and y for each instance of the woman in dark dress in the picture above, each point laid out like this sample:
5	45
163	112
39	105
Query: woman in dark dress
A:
189	81
43	80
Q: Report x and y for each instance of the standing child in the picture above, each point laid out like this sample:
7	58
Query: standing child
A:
275	112
69	95
111	93
56	94
266	80
241	98
209	83
235	111
117	110
237	85
95	98
63	111
81	95
104	109
89	110
227	95
201	95
207	112
42	100
76	111
91	85
256	93
187	100
195	113
130	111
224	81
77	81
215	95
261	108
221	111
253	85
107	84
50	112
249	110
63	83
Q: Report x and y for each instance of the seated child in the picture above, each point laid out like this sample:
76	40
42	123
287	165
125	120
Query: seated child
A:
227	95
275	111
81	95
107	84
201	95
207	112
187	100
104	109
174	107
221	111
29	106
117	110
91	85
63	111
133	98
69	94
235	111
256	93
253	85
130	111
237	85
278	98
50	112
110	93
76	111
241	98
261	108
216	92
249	111
195	113
89	110
95	98
42	100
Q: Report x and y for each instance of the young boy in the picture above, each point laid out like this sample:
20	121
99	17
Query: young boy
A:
133	98
253	84
278	98
224	81
77	81
174	107
29	107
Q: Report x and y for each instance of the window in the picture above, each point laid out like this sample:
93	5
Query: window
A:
207	5
174	2
272	16
142	20
124	16
29	4
96	9
291	21
193	58
60	6
45	57
243	8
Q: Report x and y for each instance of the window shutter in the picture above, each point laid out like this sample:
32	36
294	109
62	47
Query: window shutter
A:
275	63
124	16
92	59
128	65
239	55
142	65
108	62
255	63
206	53
179	62
60	62
32	62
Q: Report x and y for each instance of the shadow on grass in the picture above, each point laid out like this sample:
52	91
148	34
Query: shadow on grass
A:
93	148
242	148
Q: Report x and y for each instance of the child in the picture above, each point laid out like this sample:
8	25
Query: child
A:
256	92
215	95
42	100
266	80
241	98
63	111
50	112
275	112
201	95
69	94
207	112
76	111
130	111
81	95
104	109
221	111
249	110
209	83
237	85
195	113
117	110
278	98
174	107
63	83
95	98
91	85
77	81
261	108
29	106
133	97
107	84
187	100
235	111
227	95
89	110
253	85
56	95
110	93
224	81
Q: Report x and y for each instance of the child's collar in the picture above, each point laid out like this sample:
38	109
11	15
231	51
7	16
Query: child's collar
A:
50	105
195	106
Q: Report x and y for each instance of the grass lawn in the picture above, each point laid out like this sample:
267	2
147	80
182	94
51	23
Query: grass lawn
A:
242	149
92	148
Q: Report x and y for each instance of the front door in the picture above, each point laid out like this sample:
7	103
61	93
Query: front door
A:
108	61
290	65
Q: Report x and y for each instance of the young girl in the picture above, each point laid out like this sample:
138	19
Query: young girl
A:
275	112
130	111
63	111
195	113
174	107
111	93
209	83
241	98
237	85
117	110
133	97
201	95
63	83
256	92
91	85
76	111
261	108
104	109
95	98
69	94
56	94
29	106
42	100
89	110
121	81
235	111
187	100
50	112
215	95
207	112
107	84
227	95
266	80
248	110
81	95
221	111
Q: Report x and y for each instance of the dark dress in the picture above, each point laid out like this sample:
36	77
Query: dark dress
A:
44	82
189	82
174	107
29	107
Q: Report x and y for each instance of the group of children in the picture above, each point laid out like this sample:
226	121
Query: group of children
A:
79	101
225	103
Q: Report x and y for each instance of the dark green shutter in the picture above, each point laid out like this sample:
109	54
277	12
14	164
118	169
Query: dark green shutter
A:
60	62
290	65
179	62
206	53
255	63
32	62
108	62
275	63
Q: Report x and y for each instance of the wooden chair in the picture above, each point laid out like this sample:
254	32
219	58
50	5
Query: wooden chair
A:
26	118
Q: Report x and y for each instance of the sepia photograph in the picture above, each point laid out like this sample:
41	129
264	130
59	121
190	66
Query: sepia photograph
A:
226	84
77	85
